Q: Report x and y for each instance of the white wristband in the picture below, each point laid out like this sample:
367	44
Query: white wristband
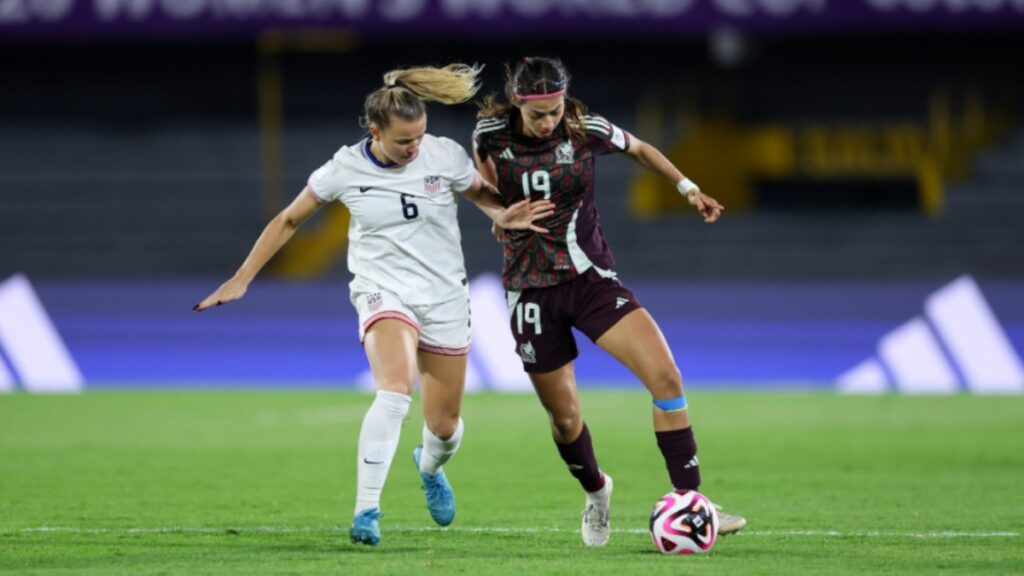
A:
686	187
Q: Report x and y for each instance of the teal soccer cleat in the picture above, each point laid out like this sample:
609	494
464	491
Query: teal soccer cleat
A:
440	498
366	527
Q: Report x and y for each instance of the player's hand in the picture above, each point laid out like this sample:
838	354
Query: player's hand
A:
499	232
523	214
229	291
708	207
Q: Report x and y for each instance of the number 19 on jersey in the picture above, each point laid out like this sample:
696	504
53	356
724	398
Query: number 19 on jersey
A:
539	181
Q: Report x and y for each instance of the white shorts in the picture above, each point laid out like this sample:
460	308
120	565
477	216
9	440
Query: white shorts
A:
443	328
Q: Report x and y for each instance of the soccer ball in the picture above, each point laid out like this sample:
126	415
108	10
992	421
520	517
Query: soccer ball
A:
684	523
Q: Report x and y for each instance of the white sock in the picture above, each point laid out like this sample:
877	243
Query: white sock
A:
436	451
601	495
378	440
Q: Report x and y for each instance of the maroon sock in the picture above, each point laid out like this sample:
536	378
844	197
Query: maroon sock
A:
579	457
680	452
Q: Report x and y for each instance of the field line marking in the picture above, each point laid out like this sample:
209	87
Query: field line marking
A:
501	530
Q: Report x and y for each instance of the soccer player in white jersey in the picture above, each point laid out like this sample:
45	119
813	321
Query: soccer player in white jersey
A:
409	287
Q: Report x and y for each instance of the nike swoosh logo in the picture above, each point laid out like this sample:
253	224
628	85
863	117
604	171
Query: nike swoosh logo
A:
364	188
365	461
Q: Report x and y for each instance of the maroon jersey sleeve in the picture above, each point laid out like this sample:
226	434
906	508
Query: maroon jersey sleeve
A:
603	137
484	134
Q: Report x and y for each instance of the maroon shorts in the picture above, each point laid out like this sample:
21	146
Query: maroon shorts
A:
542	319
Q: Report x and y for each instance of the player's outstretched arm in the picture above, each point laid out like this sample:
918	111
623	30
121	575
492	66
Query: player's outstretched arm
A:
485	166
489	172
519	216
651	158
274	236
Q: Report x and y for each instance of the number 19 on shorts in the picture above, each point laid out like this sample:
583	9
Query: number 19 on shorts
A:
530	313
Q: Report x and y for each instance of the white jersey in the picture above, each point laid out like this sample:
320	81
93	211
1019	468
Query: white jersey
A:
404	233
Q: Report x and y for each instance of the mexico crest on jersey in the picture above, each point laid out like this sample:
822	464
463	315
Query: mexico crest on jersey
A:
565	154
431	184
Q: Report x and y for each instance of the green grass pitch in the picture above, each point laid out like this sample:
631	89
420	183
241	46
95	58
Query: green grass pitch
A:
263	482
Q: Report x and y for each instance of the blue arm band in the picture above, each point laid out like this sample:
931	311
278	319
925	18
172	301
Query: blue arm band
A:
672	404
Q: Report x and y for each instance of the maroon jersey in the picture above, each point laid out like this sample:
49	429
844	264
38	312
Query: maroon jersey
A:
557	169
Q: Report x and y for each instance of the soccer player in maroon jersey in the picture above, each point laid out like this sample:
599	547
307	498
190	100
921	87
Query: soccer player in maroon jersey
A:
542	144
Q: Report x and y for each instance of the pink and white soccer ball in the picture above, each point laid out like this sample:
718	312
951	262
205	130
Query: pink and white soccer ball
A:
684	523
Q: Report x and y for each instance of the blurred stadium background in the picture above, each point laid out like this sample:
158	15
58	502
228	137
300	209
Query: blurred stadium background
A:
870	154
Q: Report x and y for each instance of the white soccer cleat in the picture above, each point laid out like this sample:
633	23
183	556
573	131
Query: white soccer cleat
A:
729	523
596	525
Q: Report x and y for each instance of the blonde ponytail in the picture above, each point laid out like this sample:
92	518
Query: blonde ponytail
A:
405	90
452	84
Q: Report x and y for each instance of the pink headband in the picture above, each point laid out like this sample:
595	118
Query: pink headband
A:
540	96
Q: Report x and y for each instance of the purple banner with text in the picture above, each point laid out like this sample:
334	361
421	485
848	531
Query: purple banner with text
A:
92	19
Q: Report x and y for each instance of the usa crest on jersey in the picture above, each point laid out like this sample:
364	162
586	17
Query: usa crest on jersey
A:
374	301
431	184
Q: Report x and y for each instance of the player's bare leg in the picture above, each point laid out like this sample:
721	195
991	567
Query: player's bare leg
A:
442	383
391	350
442	380
390	346
558	395
638	343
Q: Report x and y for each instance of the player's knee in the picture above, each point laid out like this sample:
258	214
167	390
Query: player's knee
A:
444	427
666	382
402	385
565	424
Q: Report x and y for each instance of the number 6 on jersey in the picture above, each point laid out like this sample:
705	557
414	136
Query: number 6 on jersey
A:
530	312
409	210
